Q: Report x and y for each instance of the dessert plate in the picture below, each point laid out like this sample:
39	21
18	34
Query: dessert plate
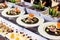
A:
40	20
42	27
22	12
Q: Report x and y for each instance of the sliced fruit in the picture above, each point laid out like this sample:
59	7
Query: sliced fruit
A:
4	4
0	30
44	3
12	36
47	30
17	10
58	25
31	15
17	38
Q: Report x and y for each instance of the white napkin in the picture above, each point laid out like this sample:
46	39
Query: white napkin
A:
54	3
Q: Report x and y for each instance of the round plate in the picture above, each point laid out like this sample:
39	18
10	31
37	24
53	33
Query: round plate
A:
7	9
41	20
41	30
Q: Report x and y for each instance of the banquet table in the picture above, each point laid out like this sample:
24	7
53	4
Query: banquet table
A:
34	29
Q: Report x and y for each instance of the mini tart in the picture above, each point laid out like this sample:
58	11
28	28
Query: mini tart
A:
5	28
18	36
4	4
13	11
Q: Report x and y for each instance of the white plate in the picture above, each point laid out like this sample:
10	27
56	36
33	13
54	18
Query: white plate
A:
41	20
41	30
4	13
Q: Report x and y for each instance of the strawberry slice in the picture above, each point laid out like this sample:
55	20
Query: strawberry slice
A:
58	25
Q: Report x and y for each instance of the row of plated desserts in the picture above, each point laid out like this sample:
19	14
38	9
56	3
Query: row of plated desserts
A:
51	29
8	32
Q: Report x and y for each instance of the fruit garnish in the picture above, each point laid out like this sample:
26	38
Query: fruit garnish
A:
4	4
58	25
47	30
18	0
44	3
12	36
41	6
0	30
17	10
56	8
31	15
17	38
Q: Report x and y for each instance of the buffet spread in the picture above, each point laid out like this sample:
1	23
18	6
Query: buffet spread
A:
46	20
